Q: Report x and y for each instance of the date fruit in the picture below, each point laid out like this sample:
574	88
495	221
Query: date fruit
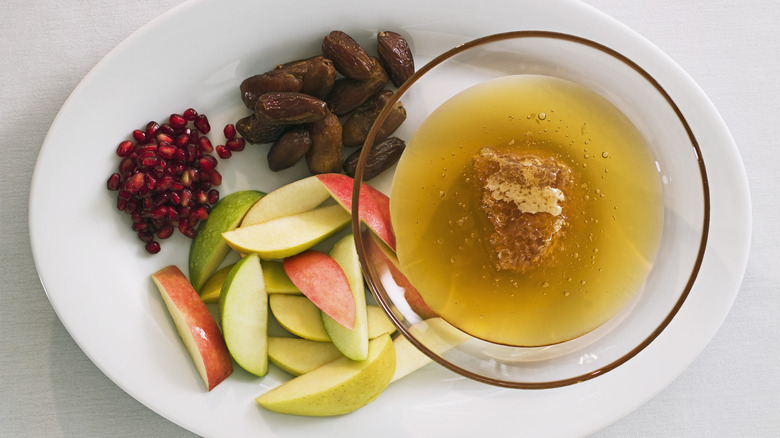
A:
349	57
275	80
396	56
317	74
289	149
348	94
325	153
359	123
256	130
288	107
381	157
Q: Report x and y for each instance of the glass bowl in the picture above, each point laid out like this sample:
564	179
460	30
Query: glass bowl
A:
683	192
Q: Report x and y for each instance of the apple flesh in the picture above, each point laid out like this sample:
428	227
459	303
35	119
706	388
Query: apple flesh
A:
196	326
321	279
353	342
291	199
289	235
208	249
211	290
373	205
435	334
338	387
299	356
243	310
299	316
378	322
276	281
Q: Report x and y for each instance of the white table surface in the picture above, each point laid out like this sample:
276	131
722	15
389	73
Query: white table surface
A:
48	386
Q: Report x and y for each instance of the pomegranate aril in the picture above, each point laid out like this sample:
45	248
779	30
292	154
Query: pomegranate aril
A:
200	213
135	183
181	155
236	144
223	152
213	196
126	165
151	129
164	137
182	140
148	159
190	114
167	129
165	232
167	152
229	131
192	153
215	177
145	236
139	226
200	197
207	163
205	144
177	121
202	124
125	148
184	212
152	247
113	182
139	136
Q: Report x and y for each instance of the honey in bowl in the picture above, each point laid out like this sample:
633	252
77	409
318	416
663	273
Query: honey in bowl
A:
527	210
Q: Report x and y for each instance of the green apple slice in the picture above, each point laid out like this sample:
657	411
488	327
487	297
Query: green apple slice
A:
378	322
243	310
291	199
338	387
211	290
435	333
352	343
276	281
299	356
289	235
299	316
208	249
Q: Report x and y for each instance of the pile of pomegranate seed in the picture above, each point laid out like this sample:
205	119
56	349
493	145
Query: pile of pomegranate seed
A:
167	176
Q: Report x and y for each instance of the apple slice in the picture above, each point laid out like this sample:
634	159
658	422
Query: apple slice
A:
195	325
378	322
384	258
299	356
276	281
338	387
324	282
289	235
208	249
296	197
299	316
210	291
353	342
435	333
374	205
243	310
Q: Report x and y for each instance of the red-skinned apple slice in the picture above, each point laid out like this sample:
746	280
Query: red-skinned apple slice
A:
374	205
195	325
385	258
324	282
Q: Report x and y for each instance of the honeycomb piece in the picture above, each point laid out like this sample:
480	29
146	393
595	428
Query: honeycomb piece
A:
523	196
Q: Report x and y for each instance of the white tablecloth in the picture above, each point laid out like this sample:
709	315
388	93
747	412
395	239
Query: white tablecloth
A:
48	386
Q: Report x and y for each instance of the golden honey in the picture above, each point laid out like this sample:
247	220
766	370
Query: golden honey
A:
612	208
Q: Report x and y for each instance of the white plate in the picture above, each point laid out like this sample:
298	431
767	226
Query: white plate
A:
95	271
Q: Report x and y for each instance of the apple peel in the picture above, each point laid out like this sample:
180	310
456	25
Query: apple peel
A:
197	328
321	279
373	205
